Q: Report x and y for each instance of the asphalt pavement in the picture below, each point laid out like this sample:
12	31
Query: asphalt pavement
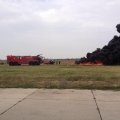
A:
59	104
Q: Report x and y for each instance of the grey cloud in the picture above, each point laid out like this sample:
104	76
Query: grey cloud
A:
56	28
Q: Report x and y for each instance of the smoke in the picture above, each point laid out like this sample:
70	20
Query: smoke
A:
108	55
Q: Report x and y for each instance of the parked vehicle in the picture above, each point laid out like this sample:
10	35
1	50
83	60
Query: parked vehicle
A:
49	62
30	60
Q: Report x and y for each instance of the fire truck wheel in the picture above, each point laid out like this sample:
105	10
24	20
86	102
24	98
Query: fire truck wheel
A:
10	63
15	63
30	63
35	63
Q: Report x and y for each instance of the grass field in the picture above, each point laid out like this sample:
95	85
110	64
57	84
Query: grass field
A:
60	76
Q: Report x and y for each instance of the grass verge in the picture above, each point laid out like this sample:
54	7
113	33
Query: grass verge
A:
60	76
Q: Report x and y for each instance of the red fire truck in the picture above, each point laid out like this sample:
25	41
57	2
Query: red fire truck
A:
18	60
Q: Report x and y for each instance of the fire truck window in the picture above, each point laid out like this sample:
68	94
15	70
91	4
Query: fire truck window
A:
18	57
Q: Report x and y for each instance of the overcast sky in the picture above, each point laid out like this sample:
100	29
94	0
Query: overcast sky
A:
56	28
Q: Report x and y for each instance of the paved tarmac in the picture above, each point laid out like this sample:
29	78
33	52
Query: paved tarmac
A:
54	104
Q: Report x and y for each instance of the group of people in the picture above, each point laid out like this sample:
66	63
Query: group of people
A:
57	62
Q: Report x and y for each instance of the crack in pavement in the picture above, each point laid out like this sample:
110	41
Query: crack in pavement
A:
96	105
17	103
